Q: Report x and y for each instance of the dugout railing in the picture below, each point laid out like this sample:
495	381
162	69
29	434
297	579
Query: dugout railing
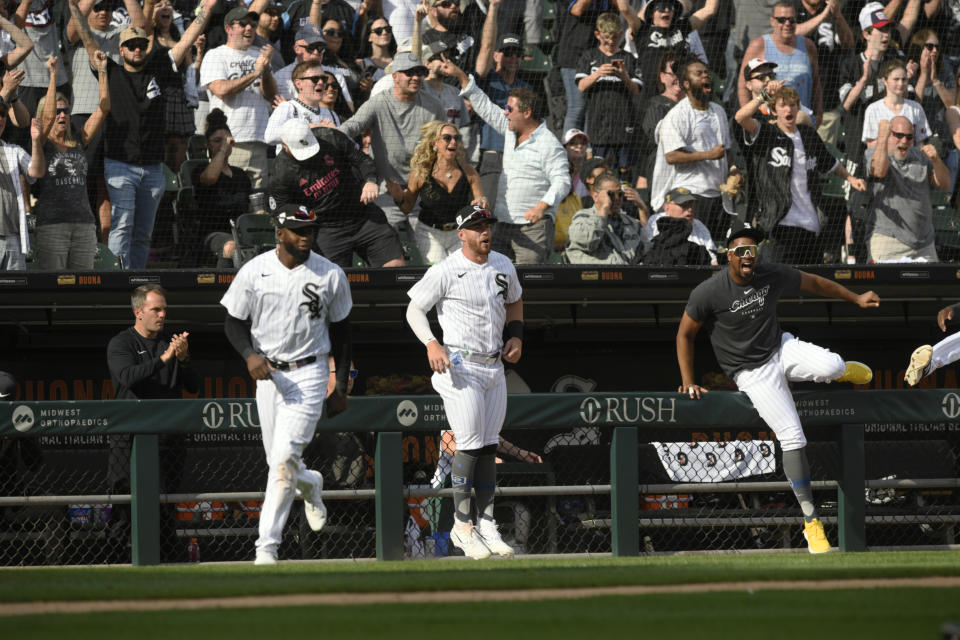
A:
836	418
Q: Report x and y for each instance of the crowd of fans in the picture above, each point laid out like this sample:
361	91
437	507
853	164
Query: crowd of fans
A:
831	126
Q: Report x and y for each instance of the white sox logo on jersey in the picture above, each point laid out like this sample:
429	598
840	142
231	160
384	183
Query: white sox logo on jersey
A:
752	302
779	157
501	280
313	300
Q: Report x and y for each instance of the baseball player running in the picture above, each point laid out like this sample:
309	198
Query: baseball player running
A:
738	305
286	311
477	295
926	359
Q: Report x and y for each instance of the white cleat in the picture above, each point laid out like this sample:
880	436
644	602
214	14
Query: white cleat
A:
265	558
313	506
491	538
466	538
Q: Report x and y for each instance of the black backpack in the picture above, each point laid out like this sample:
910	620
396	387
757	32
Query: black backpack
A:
670	247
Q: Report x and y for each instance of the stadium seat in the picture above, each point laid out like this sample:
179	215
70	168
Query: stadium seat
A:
253	234
535	61
106	260
184	207
549	10
197	147
173	182
187	169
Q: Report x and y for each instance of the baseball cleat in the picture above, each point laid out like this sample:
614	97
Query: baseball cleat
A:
491	538
313	506
919	364
856	372
816	538
466	538
265	558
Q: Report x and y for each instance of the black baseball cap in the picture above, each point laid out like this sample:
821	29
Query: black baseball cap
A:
473	214
746	231
294	216
509	41
239	13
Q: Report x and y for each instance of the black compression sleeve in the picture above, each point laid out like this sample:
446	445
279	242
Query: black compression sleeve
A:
238	333
341	348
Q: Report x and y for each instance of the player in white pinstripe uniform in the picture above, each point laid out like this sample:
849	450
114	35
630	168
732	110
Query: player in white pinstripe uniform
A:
478	299
739	307
286	311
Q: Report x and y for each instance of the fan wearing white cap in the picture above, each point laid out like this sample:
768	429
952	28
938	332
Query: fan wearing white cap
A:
478	299
794	54
860	82
319	169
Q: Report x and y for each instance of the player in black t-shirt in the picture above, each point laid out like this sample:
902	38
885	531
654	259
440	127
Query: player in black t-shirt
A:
739	306
323	170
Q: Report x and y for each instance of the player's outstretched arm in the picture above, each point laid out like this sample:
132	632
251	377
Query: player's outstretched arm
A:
341	348
813	283
685	336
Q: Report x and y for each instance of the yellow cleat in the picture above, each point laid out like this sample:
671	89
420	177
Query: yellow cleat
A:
857	373
919	364
816	538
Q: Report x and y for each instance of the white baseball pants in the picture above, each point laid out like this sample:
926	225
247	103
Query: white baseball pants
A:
945	352
767	388
475	401
289	404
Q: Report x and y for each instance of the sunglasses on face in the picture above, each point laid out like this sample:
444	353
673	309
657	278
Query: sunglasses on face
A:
246	22
446	4
930	46
133	45
902	136
663	6
101	7
333	33
449	137
615	195
744	250
315	48
511	53
785	19
382	30
321	80
765	76
415	73
63	110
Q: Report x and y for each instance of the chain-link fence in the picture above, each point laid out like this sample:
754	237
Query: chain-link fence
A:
66	500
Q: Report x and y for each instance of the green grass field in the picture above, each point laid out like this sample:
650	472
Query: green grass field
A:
897	612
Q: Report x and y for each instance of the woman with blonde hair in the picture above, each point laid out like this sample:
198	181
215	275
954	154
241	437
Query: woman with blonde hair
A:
445	182
66	226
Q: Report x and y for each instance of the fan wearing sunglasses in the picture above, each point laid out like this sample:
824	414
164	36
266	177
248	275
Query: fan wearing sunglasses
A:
311	82
795	56
900	210
445	183
739	307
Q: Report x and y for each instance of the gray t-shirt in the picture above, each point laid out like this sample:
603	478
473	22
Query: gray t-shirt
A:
396	129
900	203
86	86
742	319
41	28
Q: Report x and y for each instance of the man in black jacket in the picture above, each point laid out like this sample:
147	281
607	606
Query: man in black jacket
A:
323	170
785	159
147	363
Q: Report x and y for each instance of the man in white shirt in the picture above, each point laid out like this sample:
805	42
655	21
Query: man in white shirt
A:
535	171
692	143
311	81
241	84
